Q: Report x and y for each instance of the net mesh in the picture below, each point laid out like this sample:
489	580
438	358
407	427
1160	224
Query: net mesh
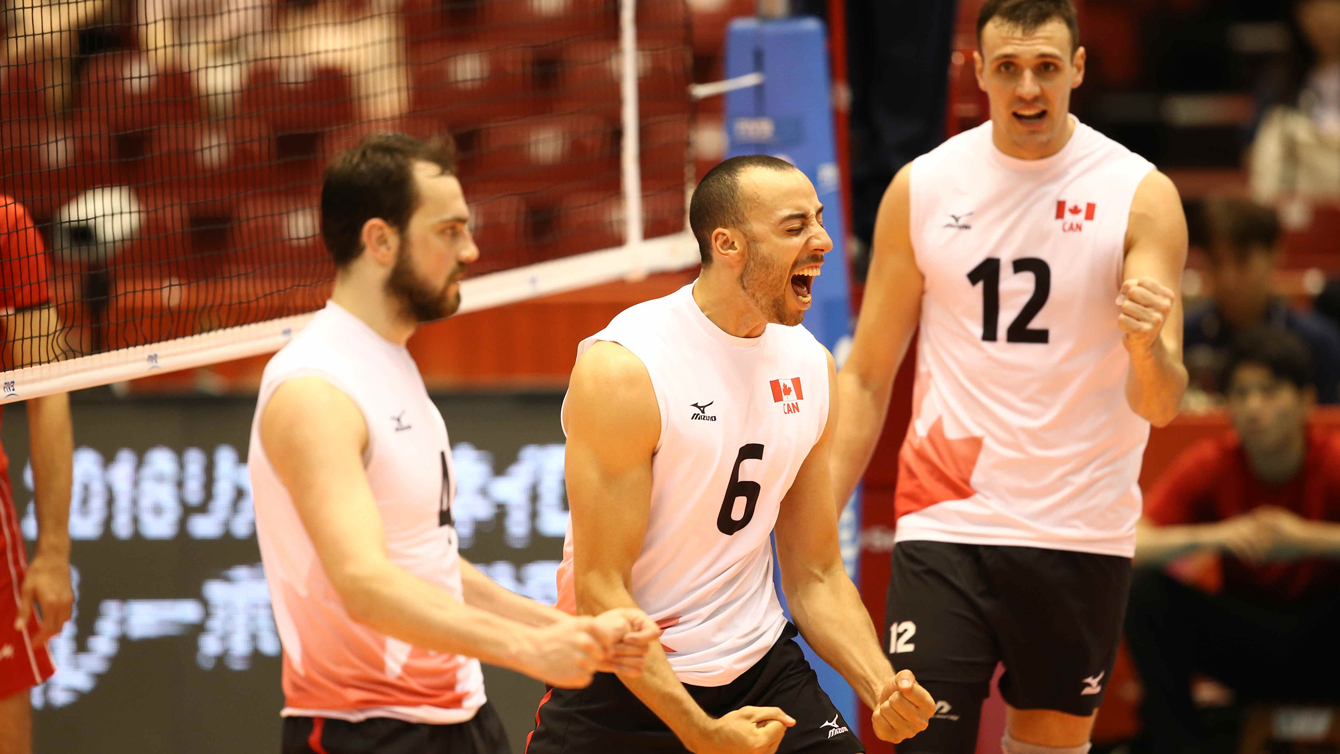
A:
160	160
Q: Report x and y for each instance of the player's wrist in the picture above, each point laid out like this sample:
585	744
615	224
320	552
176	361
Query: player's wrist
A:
697	731
52	546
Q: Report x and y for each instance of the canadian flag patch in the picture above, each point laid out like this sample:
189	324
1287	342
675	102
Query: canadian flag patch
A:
787	390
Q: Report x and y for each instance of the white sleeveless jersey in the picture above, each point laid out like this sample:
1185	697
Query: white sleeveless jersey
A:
1021	432
738	418
334	666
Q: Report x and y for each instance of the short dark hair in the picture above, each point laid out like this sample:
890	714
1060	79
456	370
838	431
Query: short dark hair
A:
375	178
1028	15
1274	348
716	201
1238	226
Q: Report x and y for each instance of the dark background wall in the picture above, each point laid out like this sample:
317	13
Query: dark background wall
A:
173	646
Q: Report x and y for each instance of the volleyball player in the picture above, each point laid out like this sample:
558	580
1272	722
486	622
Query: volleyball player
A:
33	330
1041	261
698	426
383	624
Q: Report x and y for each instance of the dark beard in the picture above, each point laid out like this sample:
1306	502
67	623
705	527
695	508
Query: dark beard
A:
758	280
421	302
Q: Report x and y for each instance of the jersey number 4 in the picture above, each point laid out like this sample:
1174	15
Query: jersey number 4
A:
987	274
740	488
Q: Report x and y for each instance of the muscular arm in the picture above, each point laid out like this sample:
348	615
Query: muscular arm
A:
34	335
480	591
889	315
613	424
314	435
1151	301
824	603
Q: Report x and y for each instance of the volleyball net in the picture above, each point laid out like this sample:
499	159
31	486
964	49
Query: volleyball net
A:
160	161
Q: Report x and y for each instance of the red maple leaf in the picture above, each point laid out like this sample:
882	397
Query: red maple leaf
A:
934	469
786	389
1075	209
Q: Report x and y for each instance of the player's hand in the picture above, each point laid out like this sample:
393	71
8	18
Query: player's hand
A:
565	654
1145	305
1291	534
747	730
48	584
1246	537
626	634
906	710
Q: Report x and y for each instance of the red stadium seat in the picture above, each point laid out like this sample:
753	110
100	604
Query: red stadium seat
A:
709	18
128	92
663	79
470	82
586	77
498	224
580	151
295	99
207	167
664	151
44	163
511	22
587	222
22	91
663	210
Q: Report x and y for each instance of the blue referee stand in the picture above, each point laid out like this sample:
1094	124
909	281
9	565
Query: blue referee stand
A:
790	115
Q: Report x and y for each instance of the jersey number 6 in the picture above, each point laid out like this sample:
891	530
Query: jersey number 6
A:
738	488
987	274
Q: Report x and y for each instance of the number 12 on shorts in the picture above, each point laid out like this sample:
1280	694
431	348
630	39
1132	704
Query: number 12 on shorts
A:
900	637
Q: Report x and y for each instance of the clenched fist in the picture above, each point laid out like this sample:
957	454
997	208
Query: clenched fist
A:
1145	305
906	710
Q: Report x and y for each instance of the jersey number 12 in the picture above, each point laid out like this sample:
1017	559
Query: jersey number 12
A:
987	274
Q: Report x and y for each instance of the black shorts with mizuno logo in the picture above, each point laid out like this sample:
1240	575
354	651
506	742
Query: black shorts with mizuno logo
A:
1052	617
607	717
481	734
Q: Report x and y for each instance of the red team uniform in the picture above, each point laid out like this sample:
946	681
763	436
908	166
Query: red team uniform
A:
25	273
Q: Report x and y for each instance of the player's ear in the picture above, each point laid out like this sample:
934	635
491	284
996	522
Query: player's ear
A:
380	241
727	244
979	68
1079	61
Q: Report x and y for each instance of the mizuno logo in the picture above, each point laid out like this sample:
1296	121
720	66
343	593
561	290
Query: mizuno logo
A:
400	426
943	710
702	414
957	221
1093	684
837	730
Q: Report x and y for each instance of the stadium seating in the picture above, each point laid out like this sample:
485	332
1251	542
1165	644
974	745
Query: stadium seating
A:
127	92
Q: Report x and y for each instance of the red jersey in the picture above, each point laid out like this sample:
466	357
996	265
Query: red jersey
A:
25	272
1212	481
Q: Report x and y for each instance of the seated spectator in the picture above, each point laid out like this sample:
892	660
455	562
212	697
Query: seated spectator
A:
1242	244
213	39
1266	497
46	32
1296	152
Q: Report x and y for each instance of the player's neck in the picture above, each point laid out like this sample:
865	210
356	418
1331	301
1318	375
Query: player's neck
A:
372	304
722	302
1279	465
1040	152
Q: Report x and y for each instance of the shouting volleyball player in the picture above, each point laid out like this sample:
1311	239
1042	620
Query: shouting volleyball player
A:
698	425
33	331
381	620
1042	261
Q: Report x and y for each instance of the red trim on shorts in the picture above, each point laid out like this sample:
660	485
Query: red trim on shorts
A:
547	694
314	740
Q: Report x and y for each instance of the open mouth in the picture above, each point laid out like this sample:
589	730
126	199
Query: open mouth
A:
802	283
1030	116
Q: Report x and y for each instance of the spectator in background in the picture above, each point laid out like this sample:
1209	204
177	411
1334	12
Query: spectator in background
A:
1266	497
1297	148
1242	240
46	33
34	333
212	39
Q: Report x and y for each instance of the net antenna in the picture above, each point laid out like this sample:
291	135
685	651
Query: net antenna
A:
176	193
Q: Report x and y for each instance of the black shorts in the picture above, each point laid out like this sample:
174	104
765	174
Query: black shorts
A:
607	717
1053	617
482	734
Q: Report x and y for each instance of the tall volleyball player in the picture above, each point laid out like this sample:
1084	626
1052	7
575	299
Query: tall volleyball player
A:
33	331
380	619
1041	261
698	425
